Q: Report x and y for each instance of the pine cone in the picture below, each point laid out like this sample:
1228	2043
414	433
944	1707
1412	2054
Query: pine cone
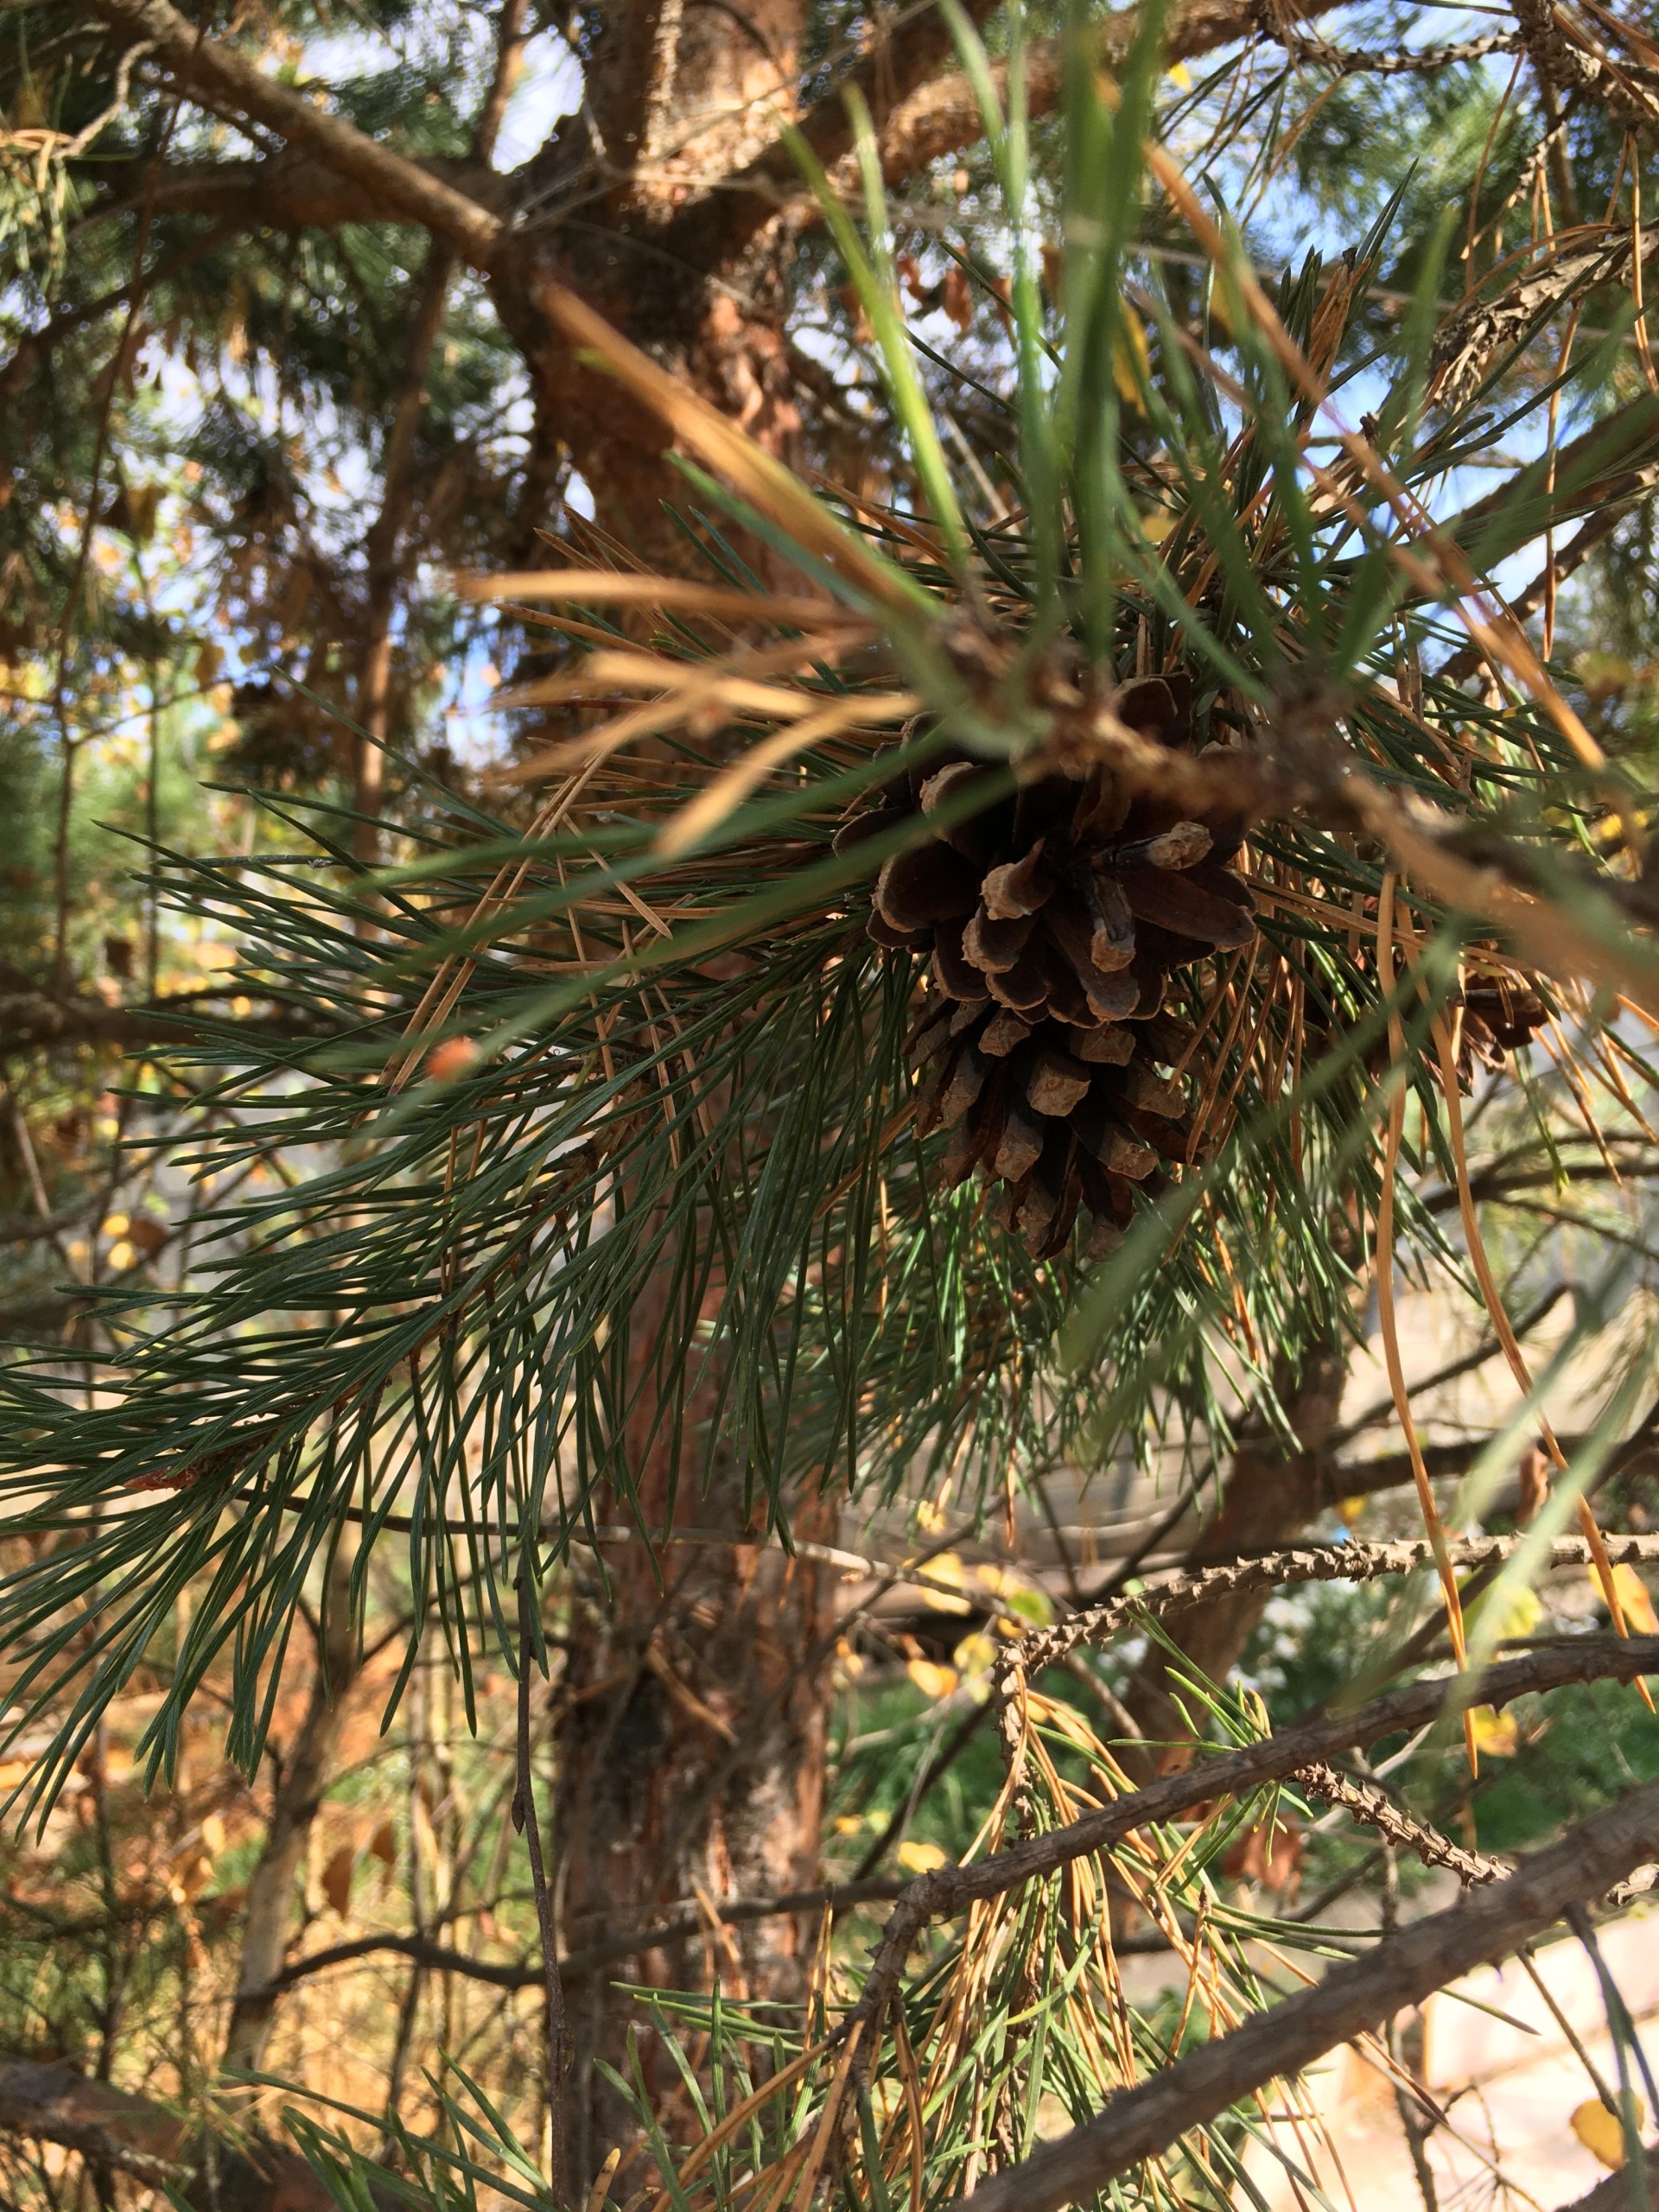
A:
1498	1018
1053	917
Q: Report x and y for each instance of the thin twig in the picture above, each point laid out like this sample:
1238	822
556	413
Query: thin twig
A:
685	1922
1364	1801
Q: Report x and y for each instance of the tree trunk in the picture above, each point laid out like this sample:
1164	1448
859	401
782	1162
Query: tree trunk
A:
679	98
690	1754
305	1775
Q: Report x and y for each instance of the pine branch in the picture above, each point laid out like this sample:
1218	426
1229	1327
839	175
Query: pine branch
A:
1398	61
1401	1972
921	117
1355	1561
1466	347
54	2104
118	2132
1613	2195
402	189
1564	64
1367	1802
950	1889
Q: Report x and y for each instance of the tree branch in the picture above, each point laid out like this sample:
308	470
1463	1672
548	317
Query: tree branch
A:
930	116
401	189
288	190
1613	2195
950	1889
715	231
1350	2000
1367	1802
53	2104
30	1228
689	1921
1355	1561
32	1018
1466	347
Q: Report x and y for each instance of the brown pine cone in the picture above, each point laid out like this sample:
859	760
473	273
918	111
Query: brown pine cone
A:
1498	1018
1053	916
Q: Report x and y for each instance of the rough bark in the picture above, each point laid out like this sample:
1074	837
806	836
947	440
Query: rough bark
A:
305	1774
690	1746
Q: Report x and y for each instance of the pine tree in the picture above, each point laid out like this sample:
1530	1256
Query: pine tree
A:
697	1145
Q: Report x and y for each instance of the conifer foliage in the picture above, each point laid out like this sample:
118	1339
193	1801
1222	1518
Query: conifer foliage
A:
962	971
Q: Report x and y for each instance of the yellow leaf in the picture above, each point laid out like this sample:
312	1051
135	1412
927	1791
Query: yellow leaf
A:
1350	1509
1180	76
1636	1599
1601	2132
849	1824
919	1857
116	1224
947	1567
191	1874
212	1834
1033	1605
1495	1733
121	1256
932	1680
1519	1616
976	1654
